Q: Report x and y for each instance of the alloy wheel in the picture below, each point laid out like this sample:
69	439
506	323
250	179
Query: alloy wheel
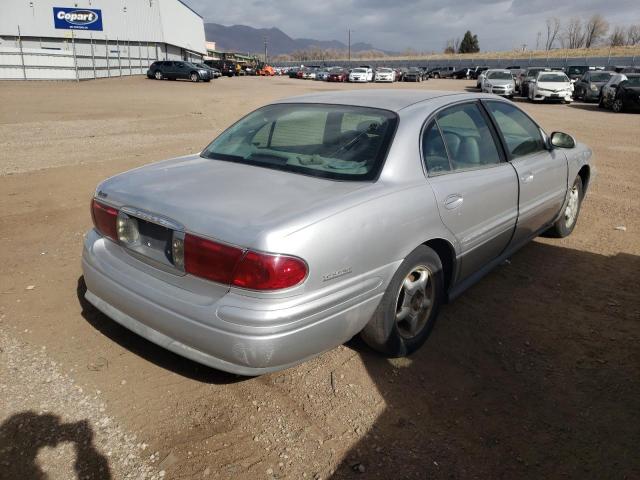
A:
617	105
571	211
414	302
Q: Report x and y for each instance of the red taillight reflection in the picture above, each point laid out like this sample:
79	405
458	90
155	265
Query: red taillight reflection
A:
104	219
210	260
259	271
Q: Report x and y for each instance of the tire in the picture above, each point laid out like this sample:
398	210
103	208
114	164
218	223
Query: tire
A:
436	75
567	221
158	75
617	105
194	77
601	102
397	338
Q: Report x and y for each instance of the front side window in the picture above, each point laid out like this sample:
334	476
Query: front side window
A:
331	141
468	137
520	133
632	82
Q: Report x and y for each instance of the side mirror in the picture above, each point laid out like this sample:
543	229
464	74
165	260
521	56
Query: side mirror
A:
562	140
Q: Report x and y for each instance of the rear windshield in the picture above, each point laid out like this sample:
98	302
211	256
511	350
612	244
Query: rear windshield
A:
553	77
500	75
633	81
331	141
576	70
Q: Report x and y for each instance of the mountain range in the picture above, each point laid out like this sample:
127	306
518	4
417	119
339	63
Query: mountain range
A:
242	38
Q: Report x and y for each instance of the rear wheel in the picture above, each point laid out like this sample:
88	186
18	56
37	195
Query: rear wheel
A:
436	75
617	105
158	75
566	223
409	308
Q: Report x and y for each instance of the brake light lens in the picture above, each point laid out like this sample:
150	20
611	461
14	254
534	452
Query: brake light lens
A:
211	260
105	219
260	271
234	266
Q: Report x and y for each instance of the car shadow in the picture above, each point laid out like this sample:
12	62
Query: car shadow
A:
149	350
591	107
24	434
530	374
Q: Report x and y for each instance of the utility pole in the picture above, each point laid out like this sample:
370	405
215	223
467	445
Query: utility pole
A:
538	41
349	43
265	50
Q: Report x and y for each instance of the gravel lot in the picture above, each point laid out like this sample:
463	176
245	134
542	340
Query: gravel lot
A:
533	373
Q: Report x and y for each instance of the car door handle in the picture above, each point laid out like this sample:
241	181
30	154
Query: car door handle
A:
526	177
453	201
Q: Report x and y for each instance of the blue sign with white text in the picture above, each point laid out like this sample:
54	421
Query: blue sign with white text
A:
77	18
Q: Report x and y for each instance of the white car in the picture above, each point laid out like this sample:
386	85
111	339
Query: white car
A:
551	86
499	82
385	75
361	74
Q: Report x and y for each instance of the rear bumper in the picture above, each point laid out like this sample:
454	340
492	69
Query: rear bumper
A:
231	332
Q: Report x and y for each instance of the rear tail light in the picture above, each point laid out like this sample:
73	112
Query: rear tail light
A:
233	266
211	260
105	219
260	271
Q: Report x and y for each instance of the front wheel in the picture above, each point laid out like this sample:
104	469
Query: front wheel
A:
567	221
436	75
194	77
409	307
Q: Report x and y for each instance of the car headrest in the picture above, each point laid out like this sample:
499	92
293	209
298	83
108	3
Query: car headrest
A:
368	126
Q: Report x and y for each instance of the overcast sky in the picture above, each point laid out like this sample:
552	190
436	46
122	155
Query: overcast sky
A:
420	24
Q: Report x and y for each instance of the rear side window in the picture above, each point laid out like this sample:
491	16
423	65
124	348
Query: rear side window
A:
434	151
521	135
468	137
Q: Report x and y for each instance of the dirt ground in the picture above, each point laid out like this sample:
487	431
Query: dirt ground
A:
532	373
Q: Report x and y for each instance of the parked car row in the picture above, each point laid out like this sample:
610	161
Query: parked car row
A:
617	91
361	74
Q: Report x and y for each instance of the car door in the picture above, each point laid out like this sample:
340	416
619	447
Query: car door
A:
542	172
181	70
582	85
475	188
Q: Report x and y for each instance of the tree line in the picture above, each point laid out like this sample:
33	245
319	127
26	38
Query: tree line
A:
589	32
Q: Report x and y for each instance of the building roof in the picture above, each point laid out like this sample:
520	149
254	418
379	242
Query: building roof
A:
387	99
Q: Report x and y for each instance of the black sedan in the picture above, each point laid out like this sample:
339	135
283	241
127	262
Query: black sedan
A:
413	75
627	95
174	70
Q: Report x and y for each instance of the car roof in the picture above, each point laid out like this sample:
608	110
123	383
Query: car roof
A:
394	100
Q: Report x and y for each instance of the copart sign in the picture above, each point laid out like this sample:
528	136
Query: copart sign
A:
77	18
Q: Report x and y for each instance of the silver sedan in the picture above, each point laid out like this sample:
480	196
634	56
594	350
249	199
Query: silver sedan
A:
318	218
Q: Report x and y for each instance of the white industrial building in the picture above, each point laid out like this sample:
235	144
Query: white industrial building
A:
83	39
